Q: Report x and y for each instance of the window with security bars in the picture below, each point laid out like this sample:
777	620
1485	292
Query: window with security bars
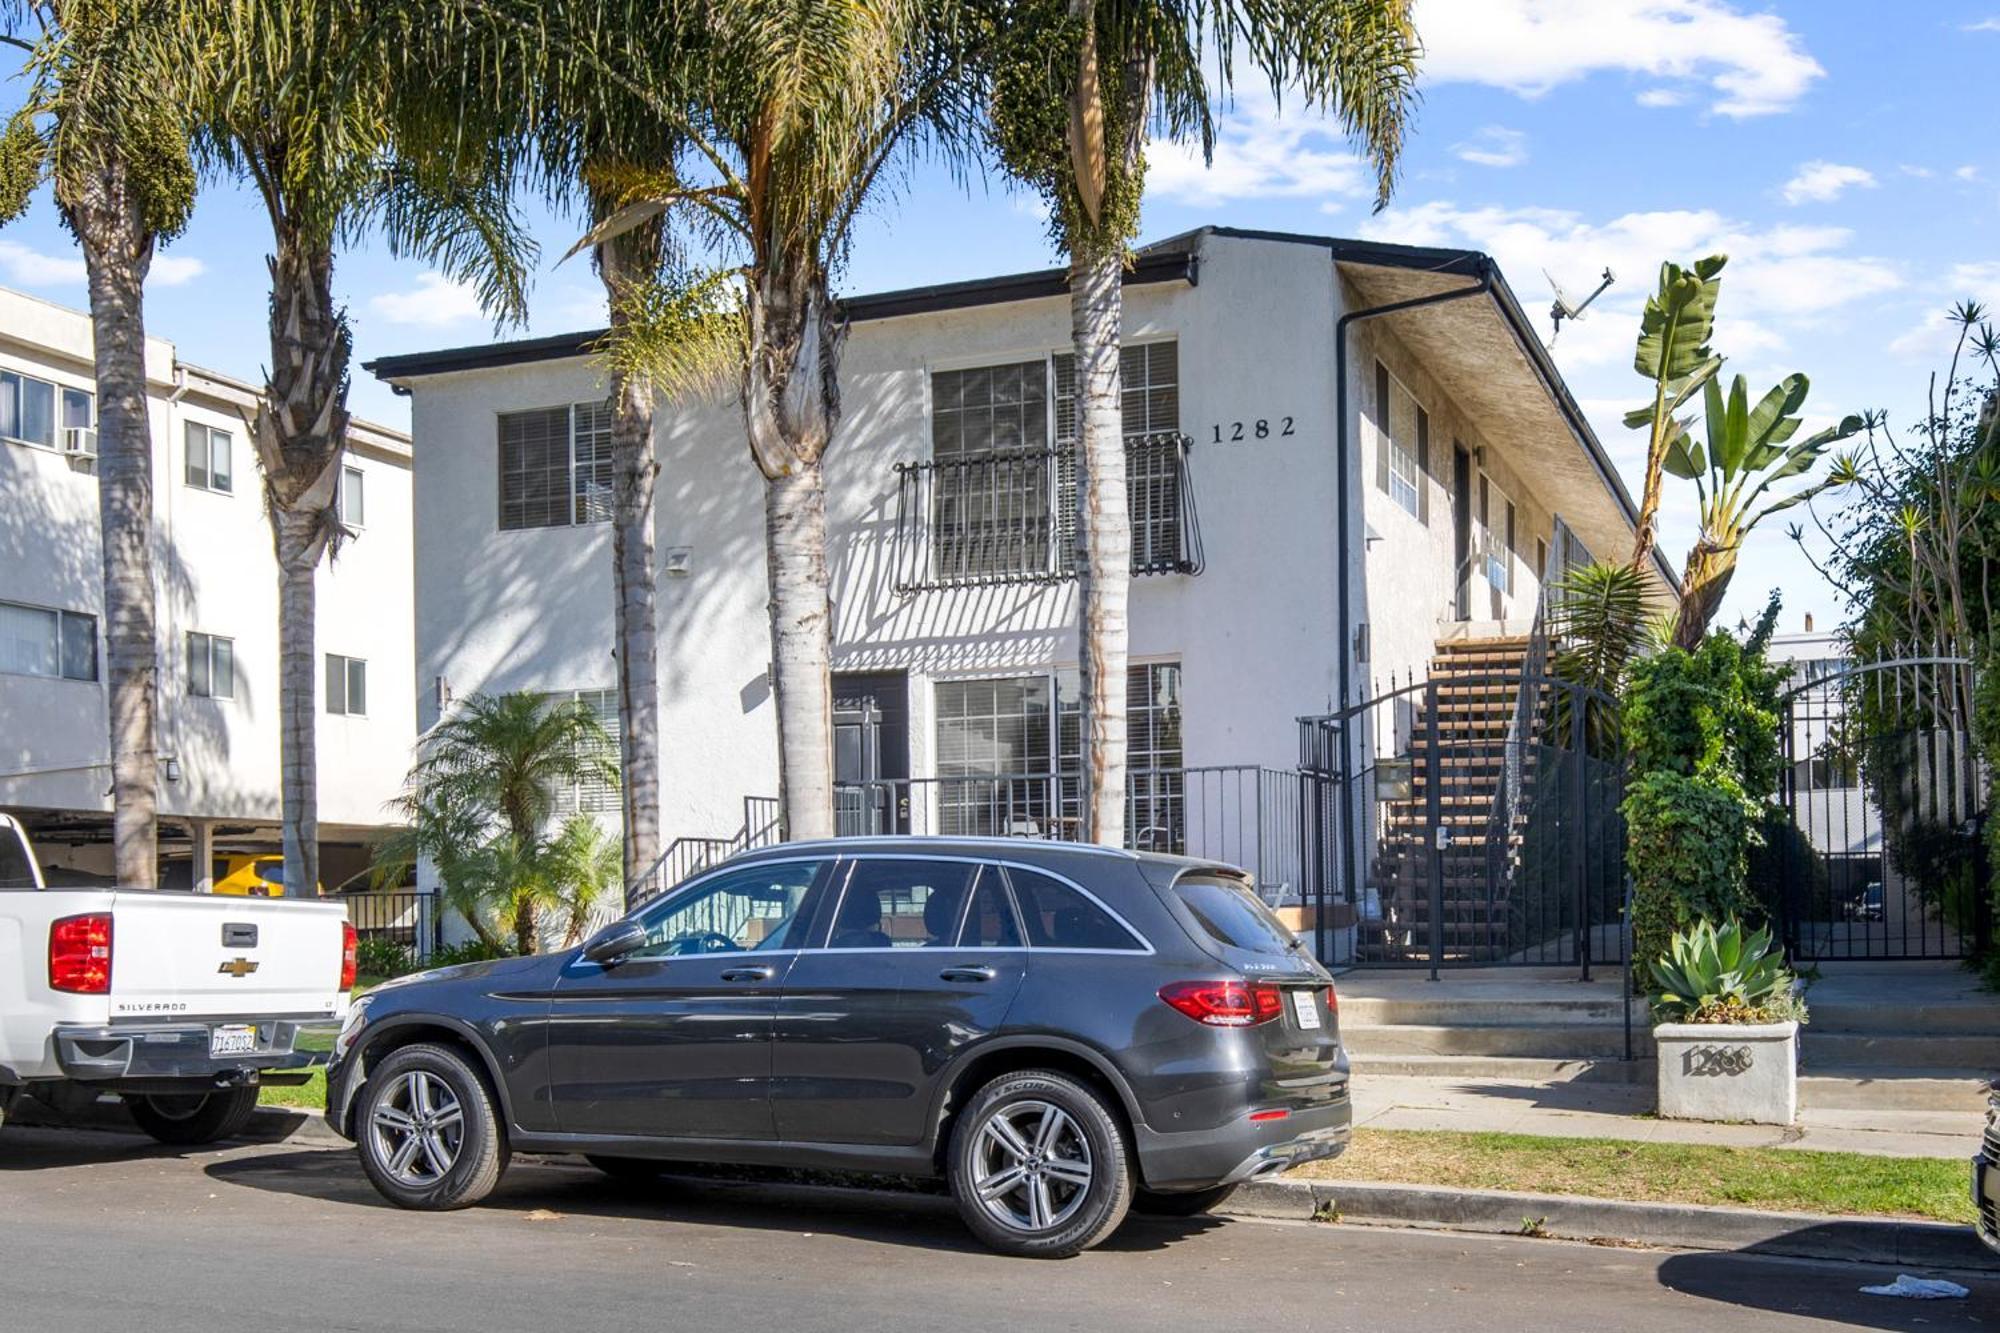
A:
1010	756
994	492
555	466
1150	400
593	794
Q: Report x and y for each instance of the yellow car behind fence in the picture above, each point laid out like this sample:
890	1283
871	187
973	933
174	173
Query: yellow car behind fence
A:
256	877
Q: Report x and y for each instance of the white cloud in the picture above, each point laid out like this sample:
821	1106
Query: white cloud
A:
1928	339
1661	97
1494	146
1984	25
1910	169
32	268
176	270
1823	182
436	301
1753	63
1259	155
1979	280
1968	172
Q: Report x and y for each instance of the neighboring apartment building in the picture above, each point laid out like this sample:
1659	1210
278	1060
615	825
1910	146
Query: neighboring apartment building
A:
216	598
950	495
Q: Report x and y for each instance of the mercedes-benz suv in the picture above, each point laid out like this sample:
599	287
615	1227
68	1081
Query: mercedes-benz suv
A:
1061	1032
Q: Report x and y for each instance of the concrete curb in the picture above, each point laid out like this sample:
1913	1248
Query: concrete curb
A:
1877	1240
268	1124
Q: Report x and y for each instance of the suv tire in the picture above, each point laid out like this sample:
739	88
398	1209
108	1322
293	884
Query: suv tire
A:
187	1119
1190	1203
1059	1151
427	1130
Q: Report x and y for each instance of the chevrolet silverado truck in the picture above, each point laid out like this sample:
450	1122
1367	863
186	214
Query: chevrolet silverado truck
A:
182	1004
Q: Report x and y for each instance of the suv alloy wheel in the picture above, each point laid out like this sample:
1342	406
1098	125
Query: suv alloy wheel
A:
427	1130
1039	1165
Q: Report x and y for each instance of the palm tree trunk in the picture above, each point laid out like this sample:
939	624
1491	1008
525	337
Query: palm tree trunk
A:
1104	565
117	251
801	648
636	467
301	437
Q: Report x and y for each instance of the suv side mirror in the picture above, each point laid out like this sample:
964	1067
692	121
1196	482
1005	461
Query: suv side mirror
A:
614	942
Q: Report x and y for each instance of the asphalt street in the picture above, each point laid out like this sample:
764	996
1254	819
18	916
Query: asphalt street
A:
107	1231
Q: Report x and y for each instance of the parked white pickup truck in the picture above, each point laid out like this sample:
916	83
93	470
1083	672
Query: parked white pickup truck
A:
181	1003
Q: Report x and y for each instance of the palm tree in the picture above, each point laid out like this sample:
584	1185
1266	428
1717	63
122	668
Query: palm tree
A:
1078	85
487	783
344	115
793	111
103	123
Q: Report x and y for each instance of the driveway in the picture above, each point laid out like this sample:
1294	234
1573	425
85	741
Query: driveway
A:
107	1231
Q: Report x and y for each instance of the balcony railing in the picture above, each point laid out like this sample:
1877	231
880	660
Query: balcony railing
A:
1010	517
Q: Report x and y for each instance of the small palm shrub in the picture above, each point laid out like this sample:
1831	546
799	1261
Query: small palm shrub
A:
1723	974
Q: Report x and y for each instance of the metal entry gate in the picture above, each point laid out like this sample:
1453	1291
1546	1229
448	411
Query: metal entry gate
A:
1467	822
1879	853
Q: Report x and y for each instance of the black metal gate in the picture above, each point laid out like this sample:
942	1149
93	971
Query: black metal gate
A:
1469	819
1879	852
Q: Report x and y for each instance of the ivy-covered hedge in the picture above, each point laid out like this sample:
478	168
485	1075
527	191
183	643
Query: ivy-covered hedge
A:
1986	732
1701	730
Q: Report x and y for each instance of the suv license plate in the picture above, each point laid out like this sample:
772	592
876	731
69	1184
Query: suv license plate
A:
1307	1009
232	1039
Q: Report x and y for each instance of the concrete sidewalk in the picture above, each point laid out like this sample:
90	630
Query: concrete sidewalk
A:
1603	1110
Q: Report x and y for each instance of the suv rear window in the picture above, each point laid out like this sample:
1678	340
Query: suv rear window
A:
1233	915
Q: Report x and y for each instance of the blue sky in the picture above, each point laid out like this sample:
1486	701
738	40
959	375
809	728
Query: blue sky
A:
1839	150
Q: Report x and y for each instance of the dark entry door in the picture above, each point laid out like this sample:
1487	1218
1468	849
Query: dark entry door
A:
1461	530
871	752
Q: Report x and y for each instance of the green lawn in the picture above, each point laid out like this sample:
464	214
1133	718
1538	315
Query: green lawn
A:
311	1095
1782	1179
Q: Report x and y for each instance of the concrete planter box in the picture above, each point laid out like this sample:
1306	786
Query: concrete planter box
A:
1746	1073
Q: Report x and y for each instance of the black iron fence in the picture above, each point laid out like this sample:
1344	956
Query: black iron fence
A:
1009	516
408	920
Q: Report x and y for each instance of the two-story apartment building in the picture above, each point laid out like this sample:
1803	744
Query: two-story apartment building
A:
1341	453
216	595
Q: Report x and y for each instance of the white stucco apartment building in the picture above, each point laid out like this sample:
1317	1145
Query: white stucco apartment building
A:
1285	444
216	594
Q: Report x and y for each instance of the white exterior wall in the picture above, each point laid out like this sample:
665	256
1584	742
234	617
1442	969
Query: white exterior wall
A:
1256	632
215	573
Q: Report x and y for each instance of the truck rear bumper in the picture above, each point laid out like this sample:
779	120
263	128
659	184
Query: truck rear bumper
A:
183	1051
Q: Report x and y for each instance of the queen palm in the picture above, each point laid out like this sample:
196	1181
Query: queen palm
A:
1078	86
103	123
345	116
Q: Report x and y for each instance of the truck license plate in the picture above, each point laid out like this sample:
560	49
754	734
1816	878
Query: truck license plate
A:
1304	1006
232	1039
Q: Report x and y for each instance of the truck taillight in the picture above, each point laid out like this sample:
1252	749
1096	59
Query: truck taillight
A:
348	950
1226	1004
80	954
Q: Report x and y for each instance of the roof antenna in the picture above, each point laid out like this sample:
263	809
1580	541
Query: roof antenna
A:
1563	309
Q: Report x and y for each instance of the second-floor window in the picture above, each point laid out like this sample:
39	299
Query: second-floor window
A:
209	465
352	504
211	666
1402	445
346	685
42	641
38	412
555	466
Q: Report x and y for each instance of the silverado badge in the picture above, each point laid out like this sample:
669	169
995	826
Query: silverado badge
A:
238	967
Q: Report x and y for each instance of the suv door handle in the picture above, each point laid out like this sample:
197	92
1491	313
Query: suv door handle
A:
747	974
971	973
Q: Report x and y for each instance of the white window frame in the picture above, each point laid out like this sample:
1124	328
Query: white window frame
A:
211	436
1495	554
577	500
353	487
1405	481
592	797
348	667
58	392
201	646
62	619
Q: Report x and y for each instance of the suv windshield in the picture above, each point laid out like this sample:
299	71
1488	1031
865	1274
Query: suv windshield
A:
1233	915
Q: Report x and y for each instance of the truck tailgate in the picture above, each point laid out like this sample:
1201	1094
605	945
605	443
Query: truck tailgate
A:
210	956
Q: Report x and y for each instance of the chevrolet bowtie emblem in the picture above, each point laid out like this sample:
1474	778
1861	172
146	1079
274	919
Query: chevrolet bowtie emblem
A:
238	967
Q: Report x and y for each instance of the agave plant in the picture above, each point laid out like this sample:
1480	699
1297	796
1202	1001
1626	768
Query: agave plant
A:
1723	974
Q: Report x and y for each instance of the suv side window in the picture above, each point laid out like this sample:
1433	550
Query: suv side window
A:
902	903
990	922
1059	917
756	908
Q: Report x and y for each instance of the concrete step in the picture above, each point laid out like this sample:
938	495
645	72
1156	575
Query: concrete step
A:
1889	1089
1514	1068
1540	1041
1899	1050
1974	1018
1445	1011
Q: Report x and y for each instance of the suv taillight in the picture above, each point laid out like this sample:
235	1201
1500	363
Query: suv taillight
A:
1226	1004
80	954
348	951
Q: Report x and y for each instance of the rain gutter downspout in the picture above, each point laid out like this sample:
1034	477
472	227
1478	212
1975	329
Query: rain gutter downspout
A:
1342	450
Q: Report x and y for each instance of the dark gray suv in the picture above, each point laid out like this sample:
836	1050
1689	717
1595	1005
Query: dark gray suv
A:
1061	1032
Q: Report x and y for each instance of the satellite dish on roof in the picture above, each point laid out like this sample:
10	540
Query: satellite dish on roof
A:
1564	308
